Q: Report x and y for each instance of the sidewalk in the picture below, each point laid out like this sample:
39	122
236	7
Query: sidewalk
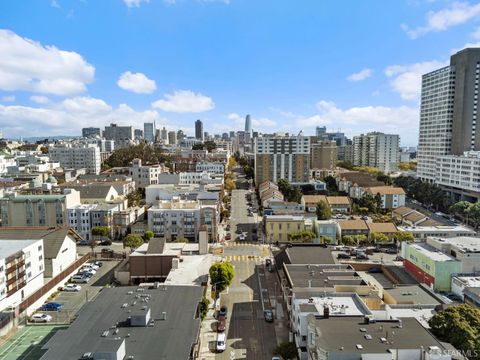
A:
208	337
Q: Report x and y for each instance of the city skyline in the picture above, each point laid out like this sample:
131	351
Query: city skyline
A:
169	64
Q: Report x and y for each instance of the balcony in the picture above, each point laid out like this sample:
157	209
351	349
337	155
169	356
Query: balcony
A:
12	266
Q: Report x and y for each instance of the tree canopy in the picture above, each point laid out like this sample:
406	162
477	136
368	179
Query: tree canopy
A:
460	326
150	154
132	241
289	193
428	194
286	350
221	275
323	211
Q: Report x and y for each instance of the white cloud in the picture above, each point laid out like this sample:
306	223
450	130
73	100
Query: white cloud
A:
137	83
401	120
39	99
69	116
29	66
456	13
8	98
476	34
184	101
55	4
407	79
135	3
361	75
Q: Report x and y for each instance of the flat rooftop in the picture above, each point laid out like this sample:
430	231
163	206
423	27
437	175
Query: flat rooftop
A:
412	294
464	244
309	255
436	229
321	276
166	339
345	334
469	281
10	247
339	304
431	252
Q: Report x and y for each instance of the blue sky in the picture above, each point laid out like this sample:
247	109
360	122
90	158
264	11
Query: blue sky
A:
292	65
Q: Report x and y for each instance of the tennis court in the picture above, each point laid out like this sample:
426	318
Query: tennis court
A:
27	343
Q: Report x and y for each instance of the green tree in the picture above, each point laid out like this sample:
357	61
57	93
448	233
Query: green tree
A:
473	213
325	239
331	184
134	198
387	180
360	239
231	163
44	149
460	208
323	211
99	232
284	187
460	326
378	237
295	196
221	275
403	236
301	236
181	240
348	240
209	145
286	350
229	185
150	154
378	202
148	235
345	164
203	307
132	241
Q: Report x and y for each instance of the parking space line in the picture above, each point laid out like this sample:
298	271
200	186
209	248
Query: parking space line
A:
15	342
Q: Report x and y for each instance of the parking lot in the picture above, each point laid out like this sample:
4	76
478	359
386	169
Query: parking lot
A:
376	257
72	301
27	343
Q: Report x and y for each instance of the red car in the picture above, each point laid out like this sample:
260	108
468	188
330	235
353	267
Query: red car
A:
221	323
228	236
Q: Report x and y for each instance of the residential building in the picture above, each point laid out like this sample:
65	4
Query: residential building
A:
276	207
122	135
21	270
210	167
392	197
178	218
352	227
199	130
188	178
471	296
422	232
464	249
145	175
91	132
279	227
430	266
172	138
282	157
448	111
462	284
77	157
310	202
339	204
138	134
459	175
149	132
345	153
353	337
389	229
37	210
79	219
323	154
327	228
160	322
377	150
419	295
164	135
354	182
59	245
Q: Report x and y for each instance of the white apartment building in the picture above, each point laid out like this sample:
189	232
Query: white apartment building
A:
79	218
436	119
145	175
210	167
178	218
21	270
464	249
282	157
6	162
459	175
77	157
377	150
190	178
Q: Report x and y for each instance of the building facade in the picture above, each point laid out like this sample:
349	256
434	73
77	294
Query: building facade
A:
149	132
144	175
376	150
91	132
282	157
199	130
122	135
324	155
77	157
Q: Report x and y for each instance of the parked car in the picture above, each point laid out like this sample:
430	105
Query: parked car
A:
375	270
82	243
364	217
86	274
106	243
72	287
221	322
241	237
228	227
361	256
98	263
228	236
398	258
51	306
79	279
390	251
268	315
238	231
223	311
92	266
221	342
41	318
343	256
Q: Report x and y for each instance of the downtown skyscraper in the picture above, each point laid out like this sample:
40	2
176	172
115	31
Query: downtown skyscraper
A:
199	130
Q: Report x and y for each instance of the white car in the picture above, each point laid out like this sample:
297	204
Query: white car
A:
88	269
93	266
72	287
221	342
41	318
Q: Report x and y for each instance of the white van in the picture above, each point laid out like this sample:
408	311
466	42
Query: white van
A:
221	342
